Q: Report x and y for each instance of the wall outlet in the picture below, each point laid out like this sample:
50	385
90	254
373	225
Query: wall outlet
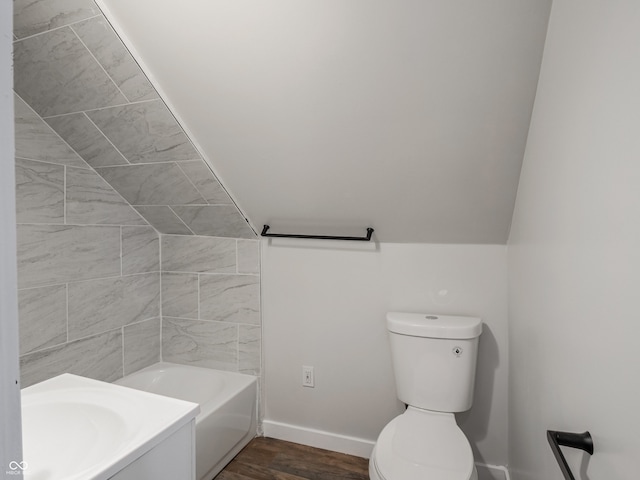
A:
307	376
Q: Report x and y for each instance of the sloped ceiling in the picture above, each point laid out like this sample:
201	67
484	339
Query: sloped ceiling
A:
410	116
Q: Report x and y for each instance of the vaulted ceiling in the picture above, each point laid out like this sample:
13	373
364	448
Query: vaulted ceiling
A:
410	116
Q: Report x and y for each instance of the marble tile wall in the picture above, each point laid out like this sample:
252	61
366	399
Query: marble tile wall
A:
129	248
211	302
74	72
88	265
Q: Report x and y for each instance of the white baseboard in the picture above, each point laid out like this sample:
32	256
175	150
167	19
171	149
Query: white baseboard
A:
492	472
318	438
352	445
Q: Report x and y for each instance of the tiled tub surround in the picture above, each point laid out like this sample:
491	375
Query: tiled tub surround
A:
103	327
91	280
75	73
88	265
92	289
108	327
211	302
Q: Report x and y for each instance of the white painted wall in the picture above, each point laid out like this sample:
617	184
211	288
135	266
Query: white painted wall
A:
574	251
10	434
324	305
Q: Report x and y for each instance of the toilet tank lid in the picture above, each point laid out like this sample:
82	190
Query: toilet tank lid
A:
433	325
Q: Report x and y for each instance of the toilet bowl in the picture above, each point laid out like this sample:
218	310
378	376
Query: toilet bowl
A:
422	445
434	362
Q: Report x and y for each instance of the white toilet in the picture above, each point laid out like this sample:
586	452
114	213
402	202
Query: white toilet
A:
434	362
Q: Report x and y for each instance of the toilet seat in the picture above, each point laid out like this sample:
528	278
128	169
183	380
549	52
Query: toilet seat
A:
423	445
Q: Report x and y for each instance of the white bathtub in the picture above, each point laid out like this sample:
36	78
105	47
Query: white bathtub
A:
227	420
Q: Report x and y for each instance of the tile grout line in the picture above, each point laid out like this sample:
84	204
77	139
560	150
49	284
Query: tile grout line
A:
238	348
176	204
139	322
212	274
122	342
133	58
210	237
202	320
137	102
182	221
159	162
161	295
57	28
109	141
113	189
177	164
108	225
109	277
67	294
51	130
64	198
199	315
237	258
89	167
86	337
110	330
121	244
99	64
48	162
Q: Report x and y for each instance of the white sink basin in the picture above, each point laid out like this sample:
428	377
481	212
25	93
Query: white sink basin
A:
76	428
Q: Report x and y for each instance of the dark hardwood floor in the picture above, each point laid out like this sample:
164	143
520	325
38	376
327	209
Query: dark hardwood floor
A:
271	459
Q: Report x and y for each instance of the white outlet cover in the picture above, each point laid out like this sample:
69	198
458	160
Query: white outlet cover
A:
307	376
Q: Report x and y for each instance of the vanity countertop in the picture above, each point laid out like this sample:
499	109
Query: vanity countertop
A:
77	428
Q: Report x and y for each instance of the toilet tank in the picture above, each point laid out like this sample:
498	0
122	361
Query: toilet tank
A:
434	359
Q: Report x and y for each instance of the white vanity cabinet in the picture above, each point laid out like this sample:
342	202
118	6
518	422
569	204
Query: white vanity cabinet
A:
76	428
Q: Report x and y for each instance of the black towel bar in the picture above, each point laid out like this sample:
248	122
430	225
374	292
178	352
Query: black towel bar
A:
583	441
321	237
